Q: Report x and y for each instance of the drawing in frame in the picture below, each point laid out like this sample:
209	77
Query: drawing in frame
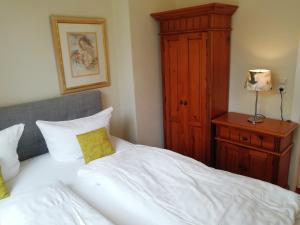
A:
81	53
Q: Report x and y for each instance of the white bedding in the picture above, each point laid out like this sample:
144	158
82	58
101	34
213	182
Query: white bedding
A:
121	209
51	205
43	170
172	189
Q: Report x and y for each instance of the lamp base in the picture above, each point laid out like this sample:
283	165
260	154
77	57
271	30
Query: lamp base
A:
256	119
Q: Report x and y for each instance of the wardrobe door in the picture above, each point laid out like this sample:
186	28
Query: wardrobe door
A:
173	78
195	93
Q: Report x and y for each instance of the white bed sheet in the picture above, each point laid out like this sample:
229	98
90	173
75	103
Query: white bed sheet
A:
42	170
188	192
54	204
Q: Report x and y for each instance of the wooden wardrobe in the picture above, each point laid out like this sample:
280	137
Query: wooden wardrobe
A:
195	51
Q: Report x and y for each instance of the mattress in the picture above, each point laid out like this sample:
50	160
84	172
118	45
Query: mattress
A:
42	170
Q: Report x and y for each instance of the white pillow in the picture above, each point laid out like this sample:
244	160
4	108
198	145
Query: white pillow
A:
9	139
61	138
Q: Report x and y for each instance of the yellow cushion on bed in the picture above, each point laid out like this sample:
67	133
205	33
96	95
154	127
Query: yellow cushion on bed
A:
3	190
95	144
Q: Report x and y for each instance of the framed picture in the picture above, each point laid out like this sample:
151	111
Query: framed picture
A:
81	53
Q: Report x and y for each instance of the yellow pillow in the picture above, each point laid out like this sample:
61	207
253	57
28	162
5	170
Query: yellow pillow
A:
95	144
3	190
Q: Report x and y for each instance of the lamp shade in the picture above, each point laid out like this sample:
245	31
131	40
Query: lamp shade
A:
259	80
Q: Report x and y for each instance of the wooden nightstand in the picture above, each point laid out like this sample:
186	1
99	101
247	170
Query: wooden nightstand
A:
261	151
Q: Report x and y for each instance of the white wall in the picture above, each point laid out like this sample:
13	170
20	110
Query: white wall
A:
147	70
27	63
265	34
123	66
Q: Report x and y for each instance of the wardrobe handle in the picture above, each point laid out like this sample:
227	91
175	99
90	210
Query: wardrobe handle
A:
181	102
185	103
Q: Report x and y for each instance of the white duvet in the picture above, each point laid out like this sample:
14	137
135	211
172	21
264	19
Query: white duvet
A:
53	205
173	189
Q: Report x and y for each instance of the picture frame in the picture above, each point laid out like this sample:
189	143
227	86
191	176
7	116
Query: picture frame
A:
81	54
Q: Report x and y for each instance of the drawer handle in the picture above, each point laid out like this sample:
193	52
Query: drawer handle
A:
244	139
261	137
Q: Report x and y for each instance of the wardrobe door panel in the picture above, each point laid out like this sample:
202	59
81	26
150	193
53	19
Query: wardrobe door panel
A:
172	77
173	89
196	94
196	77
177	138
196	142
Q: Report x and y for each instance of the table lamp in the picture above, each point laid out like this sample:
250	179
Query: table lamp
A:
258	80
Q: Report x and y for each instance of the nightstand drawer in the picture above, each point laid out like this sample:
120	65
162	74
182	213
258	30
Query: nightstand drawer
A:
228	133
247	138
263	141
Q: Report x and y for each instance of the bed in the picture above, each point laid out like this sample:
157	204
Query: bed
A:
38	169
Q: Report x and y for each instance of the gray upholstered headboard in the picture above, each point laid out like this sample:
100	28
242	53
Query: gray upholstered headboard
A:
63	108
